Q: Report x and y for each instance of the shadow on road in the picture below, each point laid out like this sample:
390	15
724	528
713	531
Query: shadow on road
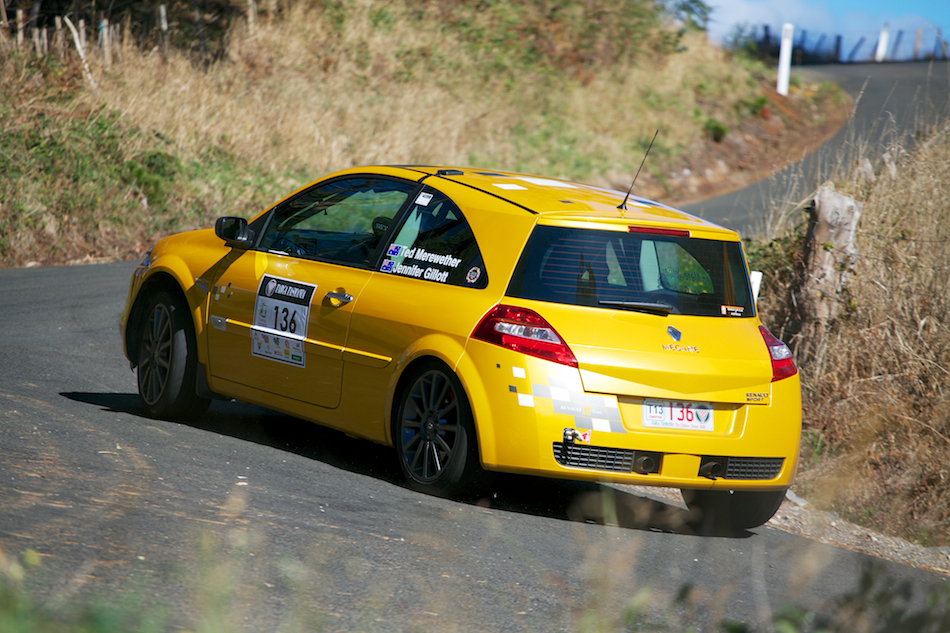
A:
565	500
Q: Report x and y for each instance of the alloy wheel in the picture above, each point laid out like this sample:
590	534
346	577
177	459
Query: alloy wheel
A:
156	354
430	426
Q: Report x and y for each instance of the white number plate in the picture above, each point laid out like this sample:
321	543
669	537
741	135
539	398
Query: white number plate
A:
667	414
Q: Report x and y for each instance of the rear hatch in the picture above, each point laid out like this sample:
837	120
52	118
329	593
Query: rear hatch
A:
648	312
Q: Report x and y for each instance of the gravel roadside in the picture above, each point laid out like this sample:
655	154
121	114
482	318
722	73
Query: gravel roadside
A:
797	516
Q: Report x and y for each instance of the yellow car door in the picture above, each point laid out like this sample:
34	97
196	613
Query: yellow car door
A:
272	331
280	313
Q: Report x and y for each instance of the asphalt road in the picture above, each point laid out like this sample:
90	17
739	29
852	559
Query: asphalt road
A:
250	520
893	102
268	523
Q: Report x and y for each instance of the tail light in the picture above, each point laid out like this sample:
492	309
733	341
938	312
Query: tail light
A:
782	364
523	330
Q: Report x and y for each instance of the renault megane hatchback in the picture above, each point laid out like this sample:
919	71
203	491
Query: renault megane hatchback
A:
482	320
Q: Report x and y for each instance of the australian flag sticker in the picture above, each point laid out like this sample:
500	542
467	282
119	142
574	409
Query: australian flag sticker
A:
387	266
394	250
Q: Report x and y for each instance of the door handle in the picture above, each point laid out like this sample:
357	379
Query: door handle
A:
341	297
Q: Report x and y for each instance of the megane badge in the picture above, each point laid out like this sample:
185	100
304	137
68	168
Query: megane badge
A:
674	333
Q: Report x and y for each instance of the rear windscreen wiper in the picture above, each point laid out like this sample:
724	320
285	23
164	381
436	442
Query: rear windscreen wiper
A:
662	309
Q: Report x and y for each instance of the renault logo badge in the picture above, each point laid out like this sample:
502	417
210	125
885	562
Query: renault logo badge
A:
674	333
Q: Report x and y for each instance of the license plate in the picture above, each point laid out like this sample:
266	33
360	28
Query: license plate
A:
668	414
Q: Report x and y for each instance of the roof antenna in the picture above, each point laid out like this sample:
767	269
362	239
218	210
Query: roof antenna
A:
623	205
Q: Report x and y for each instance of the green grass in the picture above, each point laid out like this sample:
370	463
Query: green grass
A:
78	181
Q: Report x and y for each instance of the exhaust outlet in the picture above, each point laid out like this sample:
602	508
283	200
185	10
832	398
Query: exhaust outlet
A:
711	470
644	465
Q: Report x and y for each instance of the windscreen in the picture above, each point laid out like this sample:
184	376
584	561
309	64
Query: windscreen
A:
617	270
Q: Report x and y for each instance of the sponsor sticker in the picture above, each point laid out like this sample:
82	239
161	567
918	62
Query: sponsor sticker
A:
473	274
733	311
424	198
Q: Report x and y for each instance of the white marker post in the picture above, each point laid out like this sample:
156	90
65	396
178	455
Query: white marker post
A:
784	59
881	54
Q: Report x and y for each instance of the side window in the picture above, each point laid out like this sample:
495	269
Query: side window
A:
679	271
340	221
435	243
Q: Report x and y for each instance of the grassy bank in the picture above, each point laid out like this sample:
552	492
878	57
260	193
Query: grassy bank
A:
572	90
876	382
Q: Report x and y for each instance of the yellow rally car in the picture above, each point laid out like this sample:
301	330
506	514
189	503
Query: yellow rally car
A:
482	320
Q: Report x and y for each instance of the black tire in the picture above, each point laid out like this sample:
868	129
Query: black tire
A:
434	433
168	361
731	511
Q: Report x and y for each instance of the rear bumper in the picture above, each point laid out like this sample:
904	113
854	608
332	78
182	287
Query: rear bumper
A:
534	417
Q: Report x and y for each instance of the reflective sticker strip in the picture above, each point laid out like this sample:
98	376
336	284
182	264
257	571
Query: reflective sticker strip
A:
526	400
518	372
591	412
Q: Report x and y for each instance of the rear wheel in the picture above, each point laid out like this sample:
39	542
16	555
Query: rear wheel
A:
434	432
733	510
168	361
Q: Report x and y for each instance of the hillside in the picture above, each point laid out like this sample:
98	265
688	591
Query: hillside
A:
574	90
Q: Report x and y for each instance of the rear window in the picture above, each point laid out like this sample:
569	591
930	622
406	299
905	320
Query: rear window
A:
644	272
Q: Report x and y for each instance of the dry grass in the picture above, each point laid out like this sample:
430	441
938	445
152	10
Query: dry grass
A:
300	93
876	387
324	86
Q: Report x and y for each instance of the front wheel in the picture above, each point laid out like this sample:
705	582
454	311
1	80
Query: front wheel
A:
434	432
733	510
168	361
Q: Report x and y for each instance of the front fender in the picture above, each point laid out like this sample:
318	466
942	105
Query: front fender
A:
168	269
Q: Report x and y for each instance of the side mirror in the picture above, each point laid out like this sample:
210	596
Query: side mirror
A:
233	231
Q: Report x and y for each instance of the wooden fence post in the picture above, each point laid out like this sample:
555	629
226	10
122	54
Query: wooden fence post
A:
920	37
104	41
3	21
60	46
897	43
854	51
784	60
163	24
838	48
938	45
81	47
115	42
880	53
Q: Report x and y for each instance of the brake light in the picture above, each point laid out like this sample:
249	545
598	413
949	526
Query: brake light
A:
653	230
525	331
782	364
